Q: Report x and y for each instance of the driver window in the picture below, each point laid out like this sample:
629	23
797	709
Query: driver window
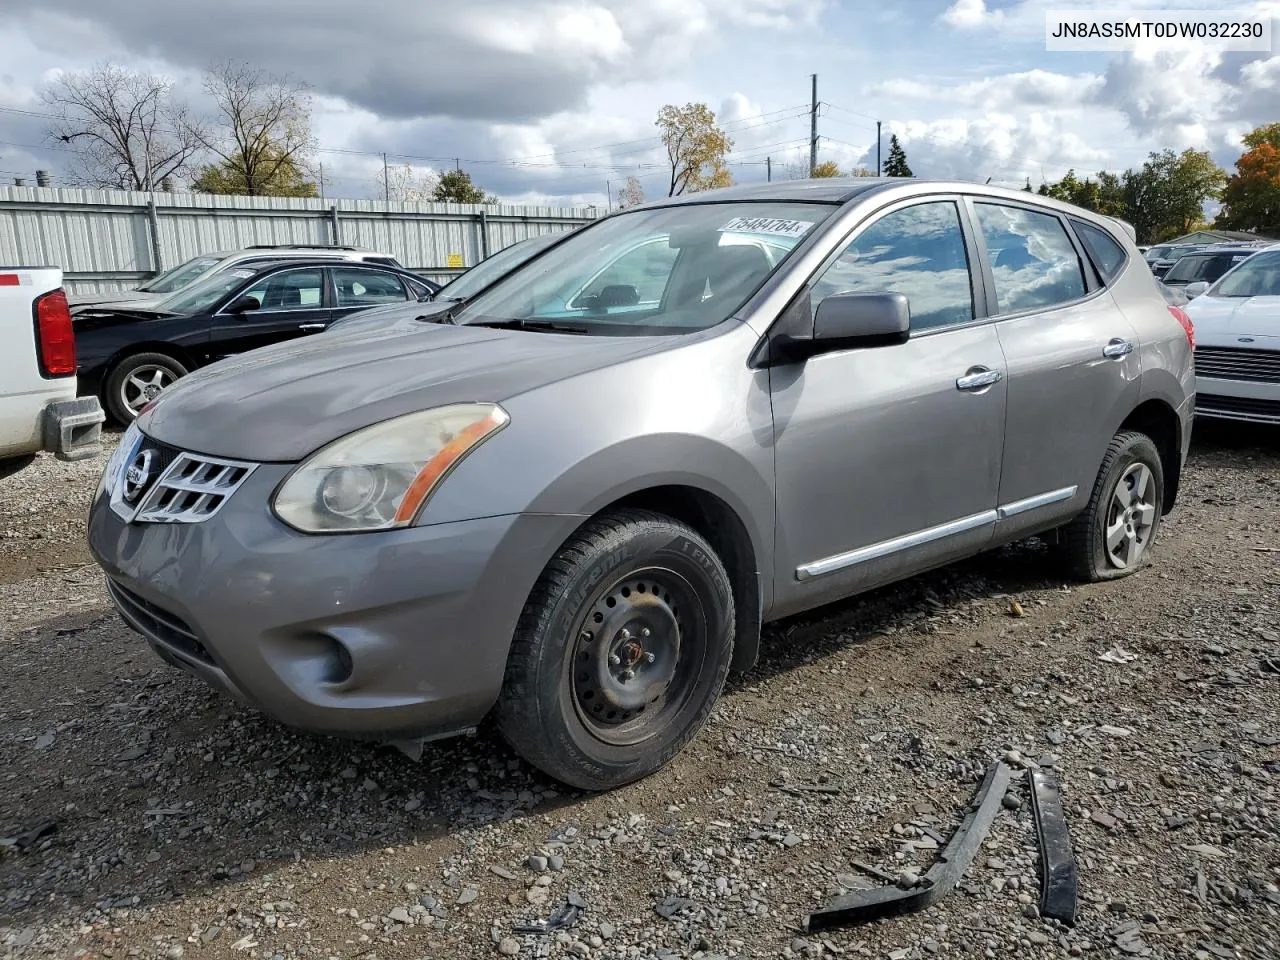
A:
917	251
644	270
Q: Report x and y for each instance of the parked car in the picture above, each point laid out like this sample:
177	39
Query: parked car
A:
1166	255
573	500
185	274
129	353
1237	322
38	405
1205	266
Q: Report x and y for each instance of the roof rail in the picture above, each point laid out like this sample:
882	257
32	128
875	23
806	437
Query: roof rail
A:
300	246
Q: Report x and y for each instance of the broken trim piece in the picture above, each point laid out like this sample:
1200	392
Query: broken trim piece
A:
865	905
1058	881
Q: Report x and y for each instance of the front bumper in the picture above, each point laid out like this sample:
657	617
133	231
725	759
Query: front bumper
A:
1242	400
400	634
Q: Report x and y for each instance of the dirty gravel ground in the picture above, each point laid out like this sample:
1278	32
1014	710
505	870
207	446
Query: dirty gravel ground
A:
185	826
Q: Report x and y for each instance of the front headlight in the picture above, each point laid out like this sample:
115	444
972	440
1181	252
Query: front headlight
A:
120	456
379	478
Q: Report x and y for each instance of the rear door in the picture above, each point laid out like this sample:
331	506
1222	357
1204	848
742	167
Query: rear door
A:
293	302
358	288
1073	362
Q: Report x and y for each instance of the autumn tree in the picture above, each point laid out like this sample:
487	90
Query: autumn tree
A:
862	172
1251	200
631	194
262	127
125	129
895	165
827	168
228	178
405	183
696	148
455	186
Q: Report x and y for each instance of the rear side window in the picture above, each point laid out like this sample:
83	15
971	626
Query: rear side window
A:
1107	255
1033	260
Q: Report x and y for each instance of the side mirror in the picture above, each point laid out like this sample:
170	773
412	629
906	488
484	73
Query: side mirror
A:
848	320
244	304
1195	289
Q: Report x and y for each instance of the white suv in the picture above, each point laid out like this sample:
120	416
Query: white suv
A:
188	273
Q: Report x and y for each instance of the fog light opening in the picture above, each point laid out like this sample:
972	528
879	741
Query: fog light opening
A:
338	663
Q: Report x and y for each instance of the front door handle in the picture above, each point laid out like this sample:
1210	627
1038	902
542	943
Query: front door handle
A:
312	326
977	378
1117	348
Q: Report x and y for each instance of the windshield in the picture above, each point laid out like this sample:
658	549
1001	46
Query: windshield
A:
659	270
203	294
180	276
467	285
1259	276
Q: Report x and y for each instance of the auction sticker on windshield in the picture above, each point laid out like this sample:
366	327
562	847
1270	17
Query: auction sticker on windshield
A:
777	226
242	274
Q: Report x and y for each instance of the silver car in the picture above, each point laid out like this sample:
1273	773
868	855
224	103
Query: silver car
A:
572	501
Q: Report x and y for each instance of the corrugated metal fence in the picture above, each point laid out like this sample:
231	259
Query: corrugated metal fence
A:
112	239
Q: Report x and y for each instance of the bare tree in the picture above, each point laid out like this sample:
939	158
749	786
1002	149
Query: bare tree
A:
124	128
263	128
405	183
631	194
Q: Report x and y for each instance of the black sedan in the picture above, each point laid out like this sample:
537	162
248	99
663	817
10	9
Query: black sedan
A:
128	355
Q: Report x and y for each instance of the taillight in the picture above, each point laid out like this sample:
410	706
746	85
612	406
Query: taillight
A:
55	338
1184	321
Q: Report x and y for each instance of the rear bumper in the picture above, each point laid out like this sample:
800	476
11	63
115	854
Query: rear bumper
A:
72	429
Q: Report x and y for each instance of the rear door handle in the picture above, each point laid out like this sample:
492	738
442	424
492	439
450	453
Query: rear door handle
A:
977	378
312	326
1117	348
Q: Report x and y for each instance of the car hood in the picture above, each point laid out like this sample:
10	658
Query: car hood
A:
283	402
1235	316
115	299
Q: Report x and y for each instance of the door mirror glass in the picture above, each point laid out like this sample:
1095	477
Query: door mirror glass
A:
1195	289
244	304
862	319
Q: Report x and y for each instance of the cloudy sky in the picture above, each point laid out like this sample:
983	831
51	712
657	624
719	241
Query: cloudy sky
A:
548	101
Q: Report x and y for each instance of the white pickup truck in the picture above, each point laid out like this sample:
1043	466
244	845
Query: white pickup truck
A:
39	409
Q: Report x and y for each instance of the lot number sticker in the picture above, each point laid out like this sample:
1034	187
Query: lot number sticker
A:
455	261
777	226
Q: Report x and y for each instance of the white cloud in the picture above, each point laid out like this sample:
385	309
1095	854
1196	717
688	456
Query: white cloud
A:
971	15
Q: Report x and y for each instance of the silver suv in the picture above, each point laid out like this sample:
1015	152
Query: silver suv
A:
572	500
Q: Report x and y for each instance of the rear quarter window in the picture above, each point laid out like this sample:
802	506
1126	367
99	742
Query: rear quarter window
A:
1107	255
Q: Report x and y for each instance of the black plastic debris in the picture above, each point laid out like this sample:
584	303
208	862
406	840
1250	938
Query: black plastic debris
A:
1058	880
861	906
564	916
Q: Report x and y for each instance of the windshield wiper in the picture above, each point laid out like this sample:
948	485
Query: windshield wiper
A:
530	323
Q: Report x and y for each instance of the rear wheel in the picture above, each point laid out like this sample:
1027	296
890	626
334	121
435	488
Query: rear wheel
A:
1111	538
137	380
620	652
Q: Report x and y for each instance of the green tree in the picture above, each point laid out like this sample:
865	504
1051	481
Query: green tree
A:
827	168
696	148
1165	198
455	186
895	165
228	177
1251	200
262	131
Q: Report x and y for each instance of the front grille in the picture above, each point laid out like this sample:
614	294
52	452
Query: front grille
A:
1235	363
179	487
1238	408
158	624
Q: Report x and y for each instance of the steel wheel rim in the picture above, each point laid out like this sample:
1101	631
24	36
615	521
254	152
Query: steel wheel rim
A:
1131	517
627	684
144	384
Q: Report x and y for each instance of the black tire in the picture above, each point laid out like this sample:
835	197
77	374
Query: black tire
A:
1084	549
112	387
566	705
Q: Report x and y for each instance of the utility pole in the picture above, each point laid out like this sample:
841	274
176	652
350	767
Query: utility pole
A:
768	169
608	196
322	180
457	164
386	181
813	126
879	169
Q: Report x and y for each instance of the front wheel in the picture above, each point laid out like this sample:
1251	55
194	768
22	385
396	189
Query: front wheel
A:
620	652
137	380
1111	538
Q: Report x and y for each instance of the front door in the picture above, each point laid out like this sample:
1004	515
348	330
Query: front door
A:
888	458
293	304
1074	367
